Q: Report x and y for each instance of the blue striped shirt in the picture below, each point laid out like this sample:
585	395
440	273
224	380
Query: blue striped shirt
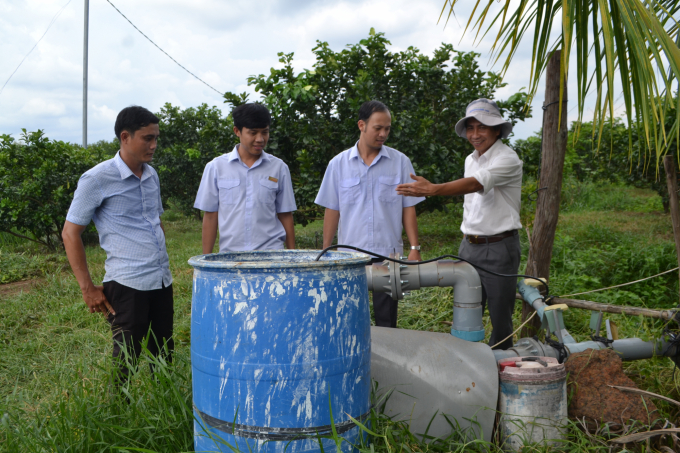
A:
126	211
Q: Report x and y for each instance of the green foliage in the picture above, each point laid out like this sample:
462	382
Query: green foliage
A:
615	260
314	112
235	99
529	151
189	139
7	239
590	252
106	149
589	196
598	156
37	179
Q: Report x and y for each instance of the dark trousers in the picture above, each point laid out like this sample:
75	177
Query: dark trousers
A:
384	307
138	313
497	292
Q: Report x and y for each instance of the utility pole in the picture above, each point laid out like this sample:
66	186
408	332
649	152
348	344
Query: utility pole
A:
85	33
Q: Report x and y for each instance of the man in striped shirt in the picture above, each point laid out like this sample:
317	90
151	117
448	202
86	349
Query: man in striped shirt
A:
122	196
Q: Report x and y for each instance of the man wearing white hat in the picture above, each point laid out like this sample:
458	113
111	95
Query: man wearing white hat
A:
492	185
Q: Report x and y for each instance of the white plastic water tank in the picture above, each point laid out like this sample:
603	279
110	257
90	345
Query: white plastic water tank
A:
533	402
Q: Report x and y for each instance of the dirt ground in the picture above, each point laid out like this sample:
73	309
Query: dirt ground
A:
10	289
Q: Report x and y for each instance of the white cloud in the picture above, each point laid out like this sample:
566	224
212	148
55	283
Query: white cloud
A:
221	42
41	107
103	112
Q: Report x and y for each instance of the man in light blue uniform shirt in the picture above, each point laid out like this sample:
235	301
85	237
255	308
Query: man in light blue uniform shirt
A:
362	205
248	193
123	198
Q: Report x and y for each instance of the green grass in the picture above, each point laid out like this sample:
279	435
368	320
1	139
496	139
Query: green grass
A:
8	240
55	356
21	259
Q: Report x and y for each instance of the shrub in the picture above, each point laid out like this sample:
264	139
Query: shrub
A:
599	156
37	179
190	138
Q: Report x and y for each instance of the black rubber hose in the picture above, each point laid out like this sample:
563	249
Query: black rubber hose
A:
394	260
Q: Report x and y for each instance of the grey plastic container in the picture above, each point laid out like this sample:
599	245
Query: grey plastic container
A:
532	403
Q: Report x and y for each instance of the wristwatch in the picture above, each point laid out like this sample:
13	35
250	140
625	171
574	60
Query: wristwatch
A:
415	247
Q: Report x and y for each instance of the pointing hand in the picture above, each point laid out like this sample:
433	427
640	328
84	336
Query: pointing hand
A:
420	188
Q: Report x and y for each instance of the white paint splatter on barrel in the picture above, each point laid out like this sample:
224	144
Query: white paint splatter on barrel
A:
278	340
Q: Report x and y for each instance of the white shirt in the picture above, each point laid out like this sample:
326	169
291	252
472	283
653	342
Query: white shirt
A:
495	208
247	200
366	196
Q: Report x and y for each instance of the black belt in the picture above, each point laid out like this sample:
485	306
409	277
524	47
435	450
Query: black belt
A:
477	239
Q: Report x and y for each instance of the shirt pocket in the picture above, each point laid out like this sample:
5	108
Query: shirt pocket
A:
349	190
230	192
387	191
268	191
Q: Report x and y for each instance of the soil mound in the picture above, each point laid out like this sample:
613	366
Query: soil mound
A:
590	373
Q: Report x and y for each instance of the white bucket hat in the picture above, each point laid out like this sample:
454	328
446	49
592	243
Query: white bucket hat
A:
487	113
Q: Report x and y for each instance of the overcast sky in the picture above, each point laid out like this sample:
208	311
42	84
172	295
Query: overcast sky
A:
223	42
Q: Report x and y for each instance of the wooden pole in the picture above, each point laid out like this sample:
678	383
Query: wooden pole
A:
553	150
617	309
672	182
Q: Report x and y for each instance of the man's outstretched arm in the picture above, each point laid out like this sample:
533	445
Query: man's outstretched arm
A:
421	187
75	251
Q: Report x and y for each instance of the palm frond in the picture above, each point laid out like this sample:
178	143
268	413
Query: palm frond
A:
633	41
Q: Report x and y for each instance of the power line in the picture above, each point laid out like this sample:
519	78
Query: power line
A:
36	44
158	47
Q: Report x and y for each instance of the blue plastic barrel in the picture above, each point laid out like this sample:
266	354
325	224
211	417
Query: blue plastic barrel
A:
278	340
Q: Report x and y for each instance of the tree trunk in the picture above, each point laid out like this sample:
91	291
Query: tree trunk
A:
553	150
672	182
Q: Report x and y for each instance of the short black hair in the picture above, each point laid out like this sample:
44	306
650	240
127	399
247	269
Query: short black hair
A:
368	108
134	118
252	116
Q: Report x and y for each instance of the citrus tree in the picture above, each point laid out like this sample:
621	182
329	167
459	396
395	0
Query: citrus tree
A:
315	111
38	177
189	139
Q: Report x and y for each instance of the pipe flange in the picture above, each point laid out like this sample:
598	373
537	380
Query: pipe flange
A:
471	335
395	281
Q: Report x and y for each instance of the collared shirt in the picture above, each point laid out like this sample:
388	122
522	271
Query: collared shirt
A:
495	208
371	211
247	200
126	211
